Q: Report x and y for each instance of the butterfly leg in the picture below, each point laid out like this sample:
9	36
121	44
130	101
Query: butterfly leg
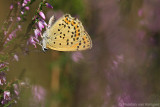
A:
51	21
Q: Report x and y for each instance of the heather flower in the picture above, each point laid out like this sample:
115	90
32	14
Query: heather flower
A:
22	12
16	57
25	1
18	3
76	56
42	15
123	99
6	95
39	94
140	12
11	7
5	32
49	6
19	27
2	78
32	41
3	65
37	33
115	64
18	18
120	58
44	23
23	4
40	25
12	34
27	8
11	19
16	89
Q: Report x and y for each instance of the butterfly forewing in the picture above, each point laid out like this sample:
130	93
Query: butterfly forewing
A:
68	34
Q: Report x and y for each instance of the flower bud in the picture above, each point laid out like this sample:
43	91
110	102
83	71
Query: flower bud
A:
42	15
27	8
18	18
37	33
11	7
49	6
40	25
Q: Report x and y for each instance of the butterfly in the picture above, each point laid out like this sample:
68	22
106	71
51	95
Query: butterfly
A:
66	34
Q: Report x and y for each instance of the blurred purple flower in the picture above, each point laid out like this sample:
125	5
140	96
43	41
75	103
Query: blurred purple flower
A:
124	100
49	6
5	32
25	1
76	56
16	57
2	78
6	95
16	89
18	3
3	101
19	27
3	65
140	11
37	33
42	15
120	58
23	4
18	18
40	25
11	7
27	8
39	94
22	12
115	64
11	19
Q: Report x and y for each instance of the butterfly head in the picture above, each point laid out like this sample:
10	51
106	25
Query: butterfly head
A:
44	49
43	42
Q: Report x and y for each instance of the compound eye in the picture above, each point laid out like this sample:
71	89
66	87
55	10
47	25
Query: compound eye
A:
45	49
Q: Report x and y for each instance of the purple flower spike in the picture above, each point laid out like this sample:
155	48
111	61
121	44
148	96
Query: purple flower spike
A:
42	15
6	95
37	33
11	7
27	8
49	6
40	25
28	0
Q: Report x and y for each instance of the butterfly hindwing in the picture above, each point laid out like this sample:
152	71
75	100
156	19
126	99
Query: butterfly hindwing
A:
68	34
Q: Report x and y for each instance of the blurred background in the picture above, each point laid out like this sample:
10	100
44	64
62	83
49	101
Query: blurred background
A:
122	68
